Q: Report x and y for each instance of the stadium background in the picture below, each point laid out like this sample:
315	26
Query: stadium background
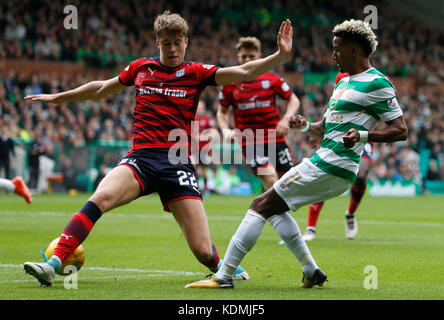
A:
80	141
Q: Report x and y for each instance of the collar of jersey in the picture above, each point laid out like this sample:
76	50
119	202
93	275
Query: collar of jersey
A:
358	74
164	66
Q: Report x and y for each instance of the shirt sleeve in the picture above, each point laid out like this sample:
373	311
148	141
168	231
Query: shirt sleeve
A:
282	88
206	74
385	104
394	110
128	74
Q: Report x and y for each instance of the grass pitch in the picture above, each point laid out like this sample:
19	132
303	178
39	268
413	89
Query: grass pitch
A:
137	251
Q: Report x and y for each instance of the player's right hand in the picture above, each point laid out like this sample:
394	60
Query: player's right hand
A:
297	122
49	98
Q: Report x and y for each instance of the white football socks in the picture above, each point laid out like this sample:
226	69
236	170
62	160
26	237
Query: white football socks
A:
6	184
289	231
242	241
249	231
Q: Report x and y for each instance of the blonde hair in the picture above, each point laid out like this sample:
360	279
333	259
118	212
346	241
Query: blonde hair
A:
248	43
170	23
358	31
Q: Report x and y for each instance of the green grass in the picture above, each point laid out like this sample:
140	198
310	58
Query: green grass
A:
402	238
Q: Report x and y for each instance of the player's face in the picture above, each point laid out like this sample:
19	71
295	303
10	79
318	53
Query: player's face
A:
245	55
341	54
172	48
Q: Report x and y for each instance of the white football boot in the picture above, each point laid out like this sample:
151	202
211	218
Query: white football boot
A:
309	235
351	226
43	272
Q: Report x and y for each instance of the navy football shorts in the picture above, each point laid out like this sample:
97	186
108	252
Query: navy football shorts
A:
368	152
156	173
258	156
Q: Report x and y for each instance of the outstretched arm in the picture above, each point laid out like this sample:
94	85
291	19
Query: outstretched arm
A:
94	90
253	69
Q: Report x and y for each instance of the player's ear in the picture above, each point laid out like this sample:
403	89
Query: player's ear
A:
355	50
186	42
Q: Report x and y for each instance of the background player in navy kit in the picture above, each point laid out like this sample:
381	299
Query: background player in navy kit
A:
254	107
167	92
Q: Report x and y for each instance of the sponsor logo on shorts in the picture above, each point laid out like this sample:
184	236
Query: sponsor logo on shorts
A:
131	162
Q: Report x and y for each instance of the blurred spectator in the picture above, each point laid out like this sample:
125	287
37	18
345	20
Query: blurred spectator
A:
234	177
35	151
433	173
102	172
69	174
6	149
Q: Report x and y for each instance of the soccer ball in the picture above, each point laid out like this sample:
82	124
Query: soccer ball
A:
76	259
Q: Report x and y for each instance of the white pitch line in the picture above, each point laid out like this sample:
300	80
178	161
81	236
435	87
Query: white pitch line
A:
148	273
141	270
221	218
100	277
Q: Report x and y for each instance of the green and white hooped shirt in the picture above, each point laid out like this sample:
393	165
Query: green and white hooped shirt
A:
359	101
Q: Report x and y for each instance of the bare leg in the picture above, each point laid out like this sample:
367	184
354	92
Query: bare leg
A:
191	217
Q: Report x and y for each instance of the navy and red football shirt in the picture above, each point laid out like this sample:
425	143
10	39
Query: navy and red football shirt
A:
205	123
166	100
254	104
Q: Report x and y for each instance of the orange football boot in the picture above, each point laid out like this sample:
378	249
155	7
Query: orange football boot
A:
21	189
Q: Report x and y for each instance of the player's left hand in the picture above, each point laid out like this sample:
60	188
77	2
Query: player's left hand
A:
48	98
285	38
282	128
350	138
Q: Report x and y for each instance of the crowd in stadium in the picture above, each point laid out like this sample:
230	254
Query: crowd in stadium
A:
105	38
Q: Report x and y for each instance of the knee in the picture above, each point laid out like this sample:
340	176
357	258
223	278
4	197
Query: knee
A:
259	205
102	199
256	204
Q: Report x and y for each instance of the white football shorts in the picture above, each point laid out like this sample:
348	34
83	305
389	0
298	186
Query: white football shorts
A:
305	184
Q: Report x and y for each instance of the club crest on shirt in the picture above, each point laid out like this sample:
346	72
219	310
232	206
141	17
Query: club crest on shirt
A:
266	84
180	73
